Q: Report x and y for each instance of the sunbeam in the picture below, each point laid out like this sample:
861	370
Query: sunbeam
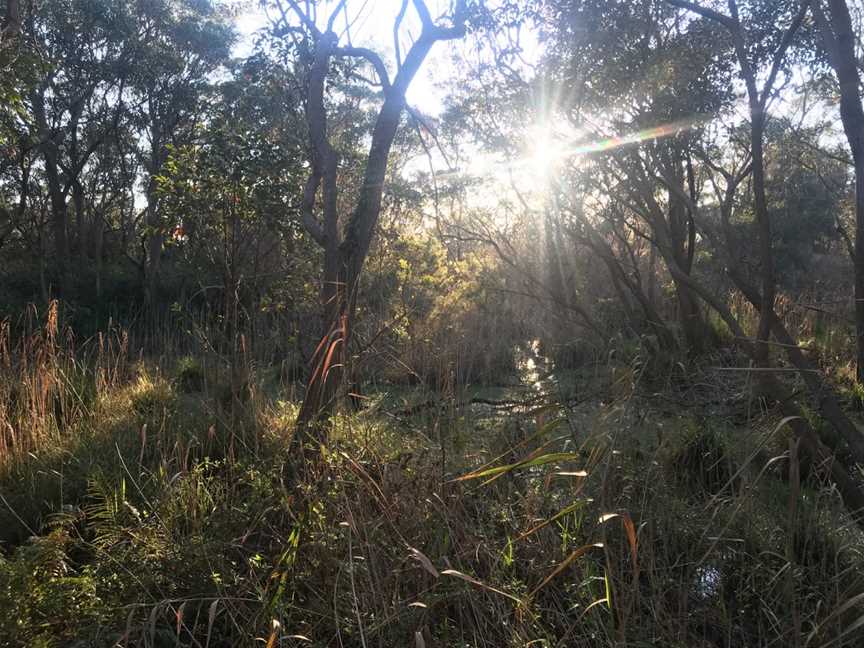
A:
547	148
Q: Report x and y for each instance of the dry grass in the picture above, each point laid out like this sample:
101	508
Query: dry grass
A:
48	384
162	516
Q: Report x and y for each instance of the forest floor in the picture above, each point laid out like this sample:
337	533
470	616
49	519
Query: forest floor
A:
613	503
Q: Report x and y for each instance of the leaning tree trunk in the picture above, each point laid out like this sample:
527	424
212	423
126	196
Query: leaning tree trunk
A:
817	452
665	337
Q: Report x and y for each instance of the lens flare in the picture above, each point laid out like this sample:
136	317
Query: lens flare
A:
655	133
547	147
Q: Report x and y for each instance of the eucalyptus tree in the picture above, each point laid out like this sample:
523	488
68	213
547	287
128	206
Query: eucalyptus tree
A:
72	105
840	40
760	64
636	72
230	198
622	88
759	46
10	28
178	45
321	51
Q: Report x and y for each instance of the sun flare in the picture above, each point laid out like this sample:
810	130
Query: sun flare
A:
544	152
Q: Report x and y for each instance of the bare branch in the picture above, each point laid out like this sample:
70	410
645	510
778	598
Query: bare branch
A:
425	16
780	54
372	58
428	37
304	17
396	25
460	14
421	120
332	20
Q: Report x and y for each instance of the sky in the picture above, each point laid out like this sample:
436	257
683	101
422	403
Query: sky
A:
372	25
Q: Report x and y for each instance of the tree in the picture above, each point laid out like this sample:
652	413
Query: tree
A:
177	45
223	198
839	40
763	301
345	251
627	69
71	105
758	98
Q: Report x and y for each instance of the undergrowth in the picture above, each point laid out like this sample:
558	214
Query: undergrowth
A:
147	511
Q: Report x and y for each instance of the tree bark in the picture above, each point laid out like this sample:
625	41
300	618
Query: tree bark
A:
154	245
839	39
80	201
11	22
344	256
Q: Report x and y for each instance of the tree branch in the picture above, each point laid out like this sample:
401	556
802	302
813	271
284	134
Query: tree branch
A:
307	210
302	15
396	25
710	14
828	35
425	16
372	58
332	20
780	54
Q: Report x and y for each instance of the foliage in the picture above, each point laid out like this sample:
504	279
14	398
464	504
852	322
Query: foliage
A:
564	413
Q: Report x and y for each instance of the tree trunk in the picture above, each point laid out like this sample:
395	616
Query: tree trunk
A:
12	20
50	156
154	246
827	402
652	274
155	234
665	337
554	275
58	219
682	233
98	241
343	259
79	200
816	452
839	39
759	348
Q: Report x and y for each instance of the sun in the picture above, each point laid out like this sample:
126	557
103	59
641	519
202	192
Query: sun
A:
542	152
547	147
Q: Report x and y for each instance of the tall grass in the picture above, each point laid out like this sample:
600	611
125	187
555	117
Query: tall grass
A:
154	513
48	383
